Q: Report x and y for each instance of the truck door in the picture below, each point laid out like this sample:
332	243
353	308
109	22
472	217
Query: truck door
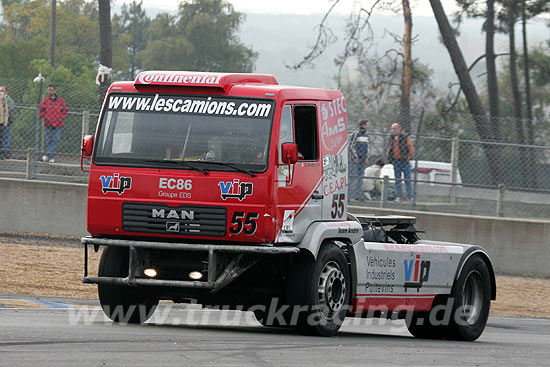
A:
299	185
334	151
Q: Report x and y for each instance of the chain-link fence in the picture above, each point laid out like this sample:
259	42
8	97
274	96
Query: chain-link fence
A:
465	176
29	148
462	175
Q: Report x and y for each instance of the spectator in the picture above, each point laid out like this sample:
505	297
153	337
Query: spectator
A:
5	128
372	185
53	109
359	153
400	152
4	116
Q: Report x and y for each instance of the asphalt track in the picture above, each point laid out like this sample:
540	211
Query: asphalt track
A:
69	332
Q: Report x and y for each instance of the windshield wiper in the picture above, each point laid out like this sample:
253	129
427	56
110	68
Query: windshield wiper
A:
230	165
180	163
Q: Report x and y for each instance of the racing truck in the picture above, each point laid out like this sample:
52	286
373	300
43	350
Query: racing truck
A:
228	189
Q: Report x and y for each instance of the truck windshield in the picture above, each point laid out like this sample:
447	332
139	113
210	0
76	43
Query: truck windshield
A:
152	129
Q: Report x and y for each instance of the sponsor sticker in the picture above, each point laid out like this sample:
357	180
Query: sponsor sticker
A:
333	129
191	105
235	189
417	271
115	183
178	188
288	221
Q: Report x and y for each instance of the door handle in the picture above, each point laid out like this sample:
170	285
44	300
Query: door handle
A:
317	196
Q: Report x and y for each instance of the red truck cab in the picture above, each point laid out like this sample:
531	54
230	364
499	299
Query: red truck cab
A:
198	156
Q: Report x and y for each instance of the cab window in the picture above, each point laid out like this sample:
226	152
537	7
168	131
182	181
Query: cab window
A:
305	132
286	132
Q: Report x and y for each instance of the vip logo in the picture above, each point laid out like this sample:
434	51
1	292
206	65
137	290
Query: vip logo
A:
172	226
115	183
416	273
235	189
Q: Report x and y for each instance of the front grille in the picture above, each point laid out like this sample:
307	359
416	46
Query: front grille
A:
187	220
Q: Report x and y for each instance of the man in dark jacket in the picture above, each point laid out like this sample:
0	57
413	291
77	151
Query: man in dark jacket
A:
400	152
359	153
53	109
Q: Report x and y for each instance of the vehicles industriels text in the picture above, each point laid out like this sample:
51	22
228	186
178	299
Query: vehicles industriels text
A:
230	189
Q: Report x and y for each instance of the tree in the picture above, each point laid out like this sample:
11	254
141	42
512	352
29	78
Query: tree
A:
106	46
406	79
360	38
474	102
132	22
492	81
477	10
202	37
511	16
375	90
166	49
52	32
540	61
24	36
533	9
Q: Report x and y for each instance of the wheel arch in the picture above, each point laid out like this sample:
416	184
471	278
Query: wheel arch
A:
318	233
479	252
346	246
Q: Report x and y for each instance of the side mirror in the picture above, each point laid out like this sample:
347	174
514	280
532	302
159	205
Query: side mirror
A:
289	153
87	145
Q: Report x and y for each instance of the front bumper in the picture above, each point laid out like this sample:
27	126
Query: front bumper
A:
215	281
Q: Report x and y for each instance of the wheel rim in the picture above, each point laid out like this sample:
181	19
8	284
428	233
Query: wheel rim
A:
332	289
472	297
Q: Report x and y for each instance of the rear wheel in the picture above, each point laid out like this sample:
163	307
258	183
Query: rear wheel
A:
467	307
321	292
123	304
472	301
429	324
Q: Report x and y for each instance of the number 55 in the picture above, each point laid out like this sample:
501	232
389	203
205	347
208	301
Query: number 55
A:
337	205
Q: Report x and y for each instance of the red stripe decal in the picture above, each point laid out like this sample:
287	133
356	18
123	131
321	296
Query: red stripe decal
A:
366	304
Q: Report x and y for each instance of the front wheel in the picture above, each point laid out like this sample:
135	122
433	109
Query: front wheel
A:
263	317
123	304
320	291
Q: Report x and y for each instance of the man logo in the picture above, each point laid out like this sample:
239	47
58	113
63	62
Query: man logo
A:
173	214
172	226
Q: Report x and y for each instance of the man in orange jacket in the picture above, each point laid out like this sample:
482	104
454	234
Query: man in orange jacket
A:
53	109
400	152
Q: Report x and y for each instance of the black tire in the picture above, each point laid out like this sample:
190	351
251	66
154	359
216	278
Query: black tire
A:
426	324
471	291
321	290
123	304
271	322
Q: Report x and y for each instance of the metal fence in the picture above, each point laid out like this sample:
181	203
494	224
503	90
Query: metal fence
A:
489	178
23	142
519	166
456	176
